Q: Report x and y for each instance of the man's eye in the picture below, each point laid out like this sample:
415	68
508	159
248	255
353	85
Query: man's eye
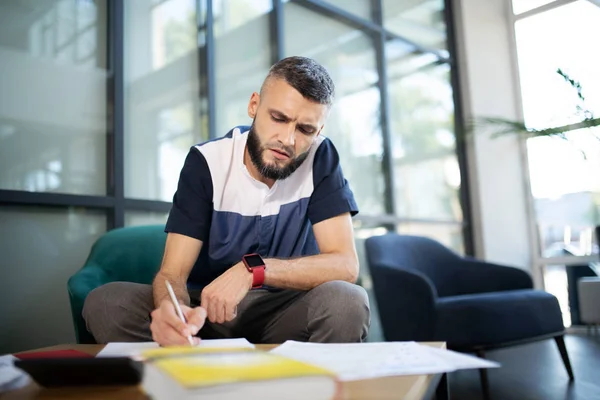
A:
276	119
306	131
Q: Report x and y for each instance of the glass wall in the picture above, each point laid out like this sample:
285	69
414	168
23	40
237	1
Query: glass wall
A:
362	8
68	157
422	22
426	171
353	124
53	50
41	248
423	178
101	100
242	58
137	218
162	95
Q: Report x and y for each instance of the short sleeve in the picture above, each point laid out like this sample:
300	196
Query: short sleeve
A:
332	195
191	212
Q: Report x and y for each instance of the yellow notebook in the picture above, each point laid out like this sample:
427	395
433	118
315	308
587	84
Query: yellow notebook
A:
198	373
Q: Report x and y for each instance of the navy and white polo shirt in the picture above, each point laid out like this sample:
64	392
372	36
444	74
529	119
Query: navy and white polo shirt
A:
220	203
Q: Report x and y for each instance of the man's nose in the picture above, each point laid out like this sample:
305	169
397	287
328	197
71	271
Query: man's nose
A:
288	137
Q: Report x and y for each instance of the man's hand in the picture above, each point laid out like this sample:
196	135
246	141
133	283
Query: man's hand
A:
221	297
168	330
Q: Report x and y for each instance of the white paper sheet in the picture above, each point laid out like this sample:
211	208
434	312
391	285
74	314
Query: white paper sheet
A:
119	349
357	361
11	377
461	360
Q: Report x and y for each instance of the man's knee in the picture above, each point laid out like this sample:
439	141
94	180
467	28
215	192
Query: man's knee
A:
111	309
345	307
347	300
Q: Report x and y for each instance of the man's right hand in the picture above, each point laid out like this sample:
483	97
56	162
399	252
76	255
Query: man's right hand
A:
168	330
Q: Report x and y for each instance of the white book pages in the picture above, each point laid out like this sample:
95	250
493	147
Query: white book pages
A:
134	350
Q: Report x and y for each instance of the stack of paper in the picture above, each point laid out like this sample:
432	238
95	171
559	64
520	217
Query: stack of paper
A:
357	361
352	361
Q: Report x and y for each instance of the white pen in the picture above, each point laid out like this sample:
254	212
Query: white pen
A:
177	308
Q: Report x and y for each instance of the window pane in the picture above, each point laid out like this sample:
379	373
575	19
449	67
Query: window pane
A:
547	98
362	8
420	21
520	6
362	231
354	124
426	170
136	218
556	282
163	110
563	171
232	14
53	96
449	235
242	58
41	248
566	191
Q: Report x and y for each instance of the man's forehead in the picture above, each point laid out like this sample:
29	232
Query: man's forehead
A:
284	98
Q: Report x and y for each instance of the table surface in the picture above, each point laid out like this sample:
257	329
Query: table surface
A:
398	387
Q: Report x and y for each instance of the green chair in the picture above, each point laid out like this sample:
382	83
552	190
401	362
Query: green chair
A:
130	254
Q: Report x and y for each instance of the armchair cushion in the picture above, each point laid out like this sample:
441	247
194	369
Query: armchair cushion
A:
498	317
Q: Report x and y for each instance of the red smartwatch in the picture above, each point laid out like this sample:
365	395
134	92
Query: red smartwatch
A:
255	264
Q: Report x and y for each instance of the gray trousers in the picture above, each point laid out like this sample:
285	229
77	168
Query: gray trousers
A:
334	312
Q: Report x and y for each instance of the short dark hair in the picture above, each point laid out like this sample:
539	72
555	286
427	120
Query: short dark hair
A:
305	75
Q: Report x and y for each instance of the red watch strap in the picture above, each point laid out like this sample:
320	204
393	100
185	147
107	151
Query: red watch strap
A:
258	276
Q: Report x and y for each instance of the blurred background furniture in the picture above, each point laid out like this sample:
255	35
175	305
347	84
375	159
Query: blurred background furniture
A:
588	293
131	254
426	292
589	301
574	274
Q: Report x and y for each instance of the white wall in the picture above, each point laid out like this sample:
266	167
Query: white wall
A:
498	169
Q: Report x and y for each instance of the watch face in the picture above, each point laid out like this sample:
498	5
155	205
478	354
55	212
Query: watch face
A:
254	260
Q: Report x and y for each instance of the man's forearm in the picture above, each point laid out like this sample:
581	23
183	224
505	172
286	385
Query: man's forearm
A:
159	288
308	272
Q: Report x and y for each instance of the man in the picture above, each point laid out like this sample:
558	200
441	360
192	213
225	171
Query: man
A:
260	242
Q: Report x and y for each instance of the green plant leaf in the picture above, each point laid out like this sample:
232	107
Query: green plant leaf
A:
502	126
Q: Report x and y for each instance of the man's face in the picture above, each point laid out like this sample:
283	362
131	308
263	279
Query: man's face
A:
284	127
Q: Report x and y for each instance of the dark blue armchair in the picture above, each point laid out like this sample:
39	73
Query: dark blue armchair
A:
426	292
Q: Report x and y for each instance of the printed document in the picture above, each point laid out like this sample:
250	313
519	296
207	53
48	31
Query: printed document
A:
355	361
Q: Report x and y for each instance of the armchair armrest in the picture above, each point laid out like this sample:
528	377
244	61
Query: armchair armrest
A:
87	279
79	286
406	301
483	277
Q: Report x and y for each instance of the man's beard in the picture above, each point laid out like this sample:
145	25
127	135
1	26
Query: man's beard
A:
268	170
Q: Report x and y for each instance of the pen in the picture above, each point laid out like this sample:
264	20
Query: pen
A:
177	308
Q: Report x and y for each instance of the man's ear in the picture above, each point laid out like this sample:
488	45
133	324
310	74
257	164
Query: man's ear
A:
253	105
